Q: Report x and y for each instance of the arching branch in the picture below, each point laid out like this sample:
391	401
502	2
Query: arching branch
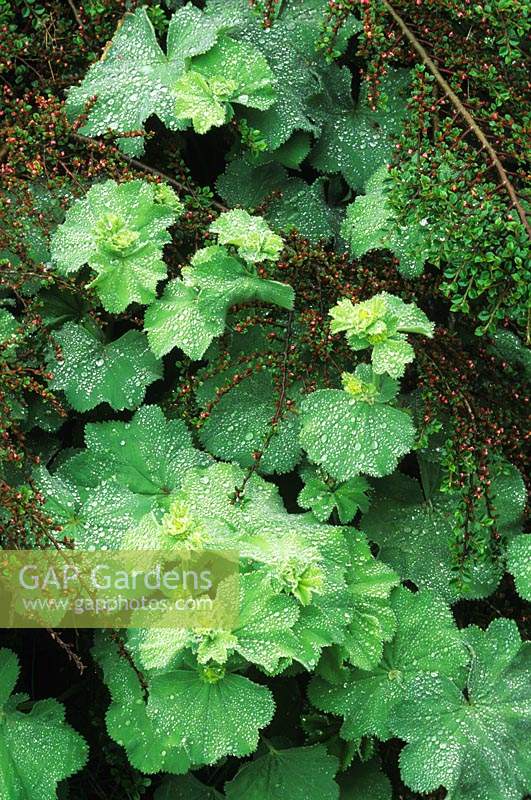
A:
458	105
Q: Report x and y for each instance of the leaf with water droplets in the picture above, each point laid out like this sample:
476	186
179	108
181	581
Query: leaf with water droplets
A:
8	326
507	345
95	519
250	234
348	436
192	311
262	634
414	535
297	773
134	77
250	177
371	620
231	72
239	424
185	318
38	749
213	712
392	356
149	456
370	225
475	744
519	564
300	557
91	371
355	139
246	183
289	47
302	207
149	747
348	497
381	323
119	230
426	640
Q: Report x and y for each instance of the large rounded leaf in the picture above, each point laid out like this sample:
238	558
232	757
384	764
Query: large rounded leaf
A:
347	436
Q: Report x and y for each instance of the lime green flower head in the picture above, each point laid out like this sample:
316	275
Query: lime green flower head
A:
363	319
181	525
358	388
112	234
302	581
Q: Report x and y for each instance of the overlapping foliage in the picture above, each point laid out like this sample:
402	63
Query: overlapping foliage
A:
274	369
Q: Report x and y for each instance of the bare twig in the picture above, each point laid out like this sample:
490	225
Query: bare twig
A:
456	102
69	650
125	654
75	12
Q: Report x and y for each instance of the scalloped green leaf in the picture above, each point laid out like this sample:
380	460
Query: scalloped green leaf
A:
148	456
348	497
287	774
38	749
426	641
135	79
231	72
392	356
355	139
119	230
300	557
371	619
250	234
91	371
247	183
473	744
519	564
289	47
239	424
212	712
184	318
303	207
149	747
381	323
94	519
370	224
347	436
413	534
57	307
192	311
262	634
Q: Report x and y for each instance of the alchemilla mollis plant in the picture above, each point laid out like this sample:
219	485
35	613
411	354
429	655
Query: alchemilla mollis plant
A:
264	289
